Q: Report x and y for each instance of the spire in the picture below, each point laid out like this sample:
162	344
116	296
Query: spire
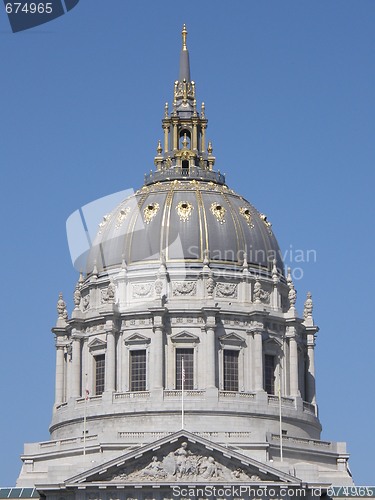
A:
182	153
184	73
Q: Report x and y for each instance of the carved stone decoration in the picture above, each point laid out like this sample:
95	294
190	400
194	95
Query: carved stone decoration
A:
86	302
307	312
184	209
168	163
142	290
150	211
266	222
77	296
218	211
292	294
182	464
65	315
124	212
158	287
61	306
260	295
226	290
184	288
103	223
246	214
210	286
108	294
275	276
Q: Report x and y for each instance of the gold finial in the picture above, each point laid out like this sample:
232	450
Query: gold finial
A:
166	110
159	149
209	148
202	110
184	33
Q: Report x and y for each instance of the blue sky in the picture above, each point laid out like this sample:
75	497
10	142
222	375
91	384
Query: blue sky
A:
289	94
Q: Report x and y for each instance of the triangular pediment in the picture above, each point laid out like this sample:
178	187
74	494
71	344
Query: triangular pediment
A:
184	337
97	343
232	338
273	341
180	458
137	338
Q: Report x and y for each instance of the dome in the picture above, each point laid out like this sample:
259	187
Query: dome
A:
187	219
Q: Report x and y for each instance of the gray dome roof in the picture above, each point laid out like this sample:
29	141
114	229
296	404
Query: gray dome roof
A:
183	219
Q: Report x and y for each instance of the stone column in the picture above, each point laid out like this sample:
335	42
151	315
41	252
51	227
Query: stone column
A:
110	362
156	367
293	363
158	358
76	368
310	386
258	360
59	387
210	313
250	363
210	357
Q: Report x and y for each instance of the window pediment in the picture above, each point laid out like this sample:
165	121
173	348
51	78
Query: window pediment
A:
184	337
137	339
97	344
273	342
232	339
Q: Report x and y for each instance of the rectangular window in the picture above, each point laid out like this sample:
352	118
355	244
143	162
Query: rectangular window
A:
99	374
137	371
230	370
269	374
188	355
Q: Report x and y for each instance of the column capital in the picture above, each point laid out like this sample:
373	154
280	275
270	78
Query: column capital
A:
158	313
60	331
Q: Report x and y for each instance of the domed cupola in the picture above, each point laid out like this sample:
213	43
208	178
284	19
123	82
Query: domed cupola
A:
184	209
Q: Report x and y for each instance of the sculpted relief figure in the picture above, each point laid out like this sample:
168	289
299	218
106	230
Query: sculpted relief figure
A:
209	468
182	464
155	469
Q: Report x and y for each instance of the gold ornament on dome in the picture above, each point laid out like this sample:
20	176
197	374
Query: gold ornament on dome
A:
246	214
266	222
218	211
103	223
184	209
124	212
150	211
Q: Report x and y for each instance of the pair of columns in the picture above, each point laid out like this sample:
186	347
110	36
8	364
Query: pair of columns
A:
72	378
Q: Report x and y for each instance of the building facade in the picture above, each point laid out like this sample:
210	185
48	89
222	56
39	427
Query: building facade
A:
184	289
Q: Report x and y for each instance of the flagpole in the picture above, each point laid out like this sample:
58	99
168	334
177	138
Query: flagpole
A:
280	425
182	392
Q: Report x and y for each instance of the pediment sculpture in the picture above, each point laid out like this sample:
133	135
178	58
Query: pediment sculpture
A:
182	464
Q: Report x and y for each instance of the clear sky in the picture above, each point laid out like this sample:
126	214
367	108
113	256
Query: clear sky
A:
289	94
